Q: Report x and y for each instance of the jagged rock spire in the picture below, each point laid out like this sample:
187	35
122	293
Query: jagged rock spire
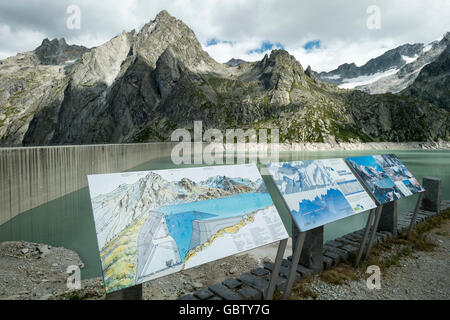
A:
57	51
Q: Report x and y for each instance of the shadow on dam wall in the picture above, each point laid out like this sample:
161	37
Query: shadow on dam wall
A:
44	196
32	176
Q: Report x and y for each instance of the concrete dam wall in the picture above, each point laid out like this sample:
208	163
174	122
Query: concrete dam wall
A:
32	176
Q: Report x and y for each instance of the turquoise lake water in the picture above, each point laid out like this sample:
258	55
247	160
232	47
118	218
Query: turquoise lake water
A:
224	207
68	221
179	217
180	228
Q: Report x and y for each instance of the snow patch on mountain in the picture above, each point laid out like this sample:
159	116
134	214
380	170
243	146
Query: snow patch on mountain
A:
299	176
428	47
335	77
410	59
364	80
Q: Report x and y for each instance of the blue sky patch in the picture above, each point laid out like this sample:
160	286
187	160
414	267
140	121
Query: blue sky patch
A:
313	44
266	46
215	41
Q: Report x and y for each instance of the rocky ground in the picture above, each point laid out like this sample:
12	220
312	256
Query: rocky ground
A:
34	271
37	271
419	275
189	281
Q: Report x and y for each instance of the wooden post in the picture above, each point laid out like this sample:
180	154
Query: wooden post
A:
295	258
131	293
413	219
276	269
365	237
374	231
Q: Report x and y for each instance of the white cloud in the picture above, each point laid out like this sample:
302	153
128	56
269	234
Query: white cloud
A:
335	53
340	26
224	51
328	57
28	39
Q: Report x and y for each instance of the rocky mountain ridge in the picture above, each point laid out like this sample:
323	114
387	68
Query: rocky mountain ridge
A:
235	62
27	81
407	74
140	86
433	82
391	59
58	52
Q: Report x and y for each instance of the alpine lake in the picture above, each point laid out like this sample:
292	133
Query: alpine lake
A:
68	221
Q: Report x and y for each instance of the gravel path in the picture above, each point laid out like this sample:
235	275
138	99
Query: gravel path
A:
421	276
31	271
34	271
37	271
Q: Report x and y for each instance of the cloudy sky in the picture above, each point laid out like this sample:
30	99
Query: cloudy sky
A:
320	33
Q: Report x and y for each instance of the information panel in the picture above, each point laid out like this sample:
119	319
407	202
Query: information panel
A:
385	176
153	223
318	192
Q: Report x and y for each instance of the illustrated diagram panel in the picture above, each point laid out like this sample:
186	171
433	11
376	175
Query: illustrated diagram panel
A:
153	223
318	192
385	176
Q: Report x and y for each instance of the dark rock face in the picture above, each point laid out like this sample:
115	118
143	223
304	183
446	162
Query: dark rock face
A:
433	82
235	62
139	87
58	52
346	70
310	73
392	58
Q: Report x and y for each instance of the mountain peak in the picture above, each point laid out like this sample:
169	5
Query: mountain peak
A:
235	62
163	14
282	58
167	31
446	36
55	42
57	51
279	53
310	73
162	17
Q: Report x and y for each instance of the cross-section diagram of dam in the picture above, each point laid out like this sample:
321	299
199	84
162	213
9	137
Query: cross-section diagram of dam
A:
164	241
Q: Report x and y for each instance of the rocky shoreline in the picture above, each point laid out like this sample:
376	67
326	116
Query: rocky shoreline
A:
441	145
346	146
32	271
